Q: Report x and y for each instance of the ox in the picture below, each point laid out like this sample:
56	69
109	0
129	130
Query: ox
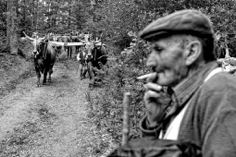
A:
44	57
44	61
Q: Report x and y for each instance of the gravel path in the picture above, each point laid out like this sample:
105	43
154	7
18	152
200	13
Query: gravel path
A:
47	121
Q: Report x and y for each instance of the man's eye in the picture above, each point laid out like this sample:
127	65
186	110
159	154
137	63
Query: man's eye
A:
158	49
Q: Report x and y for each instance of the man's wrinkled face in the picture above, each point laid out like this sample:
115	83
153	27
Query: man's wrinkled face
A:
168	61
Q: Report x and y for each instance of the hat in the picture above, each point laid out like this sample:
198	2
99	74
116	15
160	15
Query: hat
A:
180	22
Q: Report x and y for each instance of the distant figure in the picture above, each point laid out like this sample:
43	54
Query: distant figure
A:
69	48
101	72
82	59
86	37
58	47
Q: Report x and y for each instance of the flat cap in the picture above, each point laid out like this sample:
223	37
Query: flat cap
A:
180	22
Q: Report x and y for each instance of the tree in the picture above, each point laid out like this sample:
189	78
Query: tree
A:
12	25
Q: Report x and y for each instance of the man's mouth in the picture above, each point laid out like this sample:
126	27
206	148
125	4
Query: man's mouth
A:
158	71
153	69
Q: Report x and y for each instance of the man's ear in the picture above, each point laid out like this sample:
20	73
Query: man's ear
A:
194	51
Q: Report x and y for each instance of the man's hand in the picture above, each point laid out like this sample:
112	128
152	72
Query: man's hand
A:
156	101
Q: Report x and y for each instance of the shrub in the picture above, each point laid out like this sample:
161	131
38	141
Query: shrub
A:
107	107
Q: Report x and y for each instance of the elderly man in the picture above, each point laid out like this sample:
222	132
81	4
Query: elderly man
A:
188	97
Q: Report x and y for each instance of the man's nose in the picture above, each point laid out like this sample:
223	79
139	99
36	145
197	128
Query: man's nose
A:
151	61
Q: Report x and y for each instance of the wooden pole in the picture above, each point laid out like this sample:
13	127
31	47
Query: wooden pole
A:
226	48
126	127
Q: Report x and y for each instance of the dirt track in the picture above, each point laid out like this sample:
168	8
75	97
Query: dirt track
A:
47	121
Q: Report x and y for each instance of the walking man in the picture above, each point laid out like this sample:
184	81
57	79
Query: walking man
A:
81	57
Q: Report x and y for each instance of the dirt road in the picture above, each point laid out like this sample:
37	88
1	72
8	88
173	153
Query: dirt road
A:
47	121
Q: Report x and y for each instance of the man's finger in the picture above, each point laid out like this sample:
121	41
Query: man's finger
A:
151	94
153	86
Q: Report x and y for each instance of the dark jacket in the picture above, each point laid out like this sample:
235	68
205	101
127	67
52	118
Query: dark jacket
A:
210	119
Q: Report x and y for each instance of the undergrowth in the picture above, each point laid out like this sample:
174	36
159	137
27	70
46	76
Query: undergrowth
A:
106	103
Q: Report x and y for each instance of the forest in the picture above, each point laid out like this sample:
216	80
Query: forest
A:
118	23
112	19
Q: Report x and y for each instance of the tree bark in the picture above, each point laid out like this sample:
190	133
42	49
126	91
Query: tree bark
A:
12	26
49	14
210	6
69	12
36	16
24	14
33	12
8	22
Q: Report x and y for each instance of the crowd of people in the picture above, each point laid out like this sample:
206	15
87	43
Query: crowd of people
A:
72	37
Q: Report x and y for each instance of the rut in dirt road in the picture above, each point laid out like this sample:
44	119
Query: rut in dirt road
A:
47	121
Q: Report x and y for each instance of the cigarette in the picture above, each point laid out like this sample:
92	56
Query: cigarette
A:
145	76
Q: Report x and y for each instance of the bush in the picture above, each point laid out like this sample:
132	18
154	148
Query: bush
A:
3	44
106	102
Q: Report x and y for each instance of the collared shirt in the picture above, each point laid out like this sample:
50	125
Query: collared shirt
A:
174	127
183	92
187	87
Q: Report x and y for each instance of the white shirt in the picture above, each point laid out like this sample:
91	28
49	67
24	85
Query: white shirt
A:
78	55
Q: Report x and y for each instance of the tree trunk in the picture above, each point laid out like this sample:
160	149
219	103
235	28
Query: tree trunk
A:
36	16
24	15
69	17
210	6
49	14
8	22
33	12
12	26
